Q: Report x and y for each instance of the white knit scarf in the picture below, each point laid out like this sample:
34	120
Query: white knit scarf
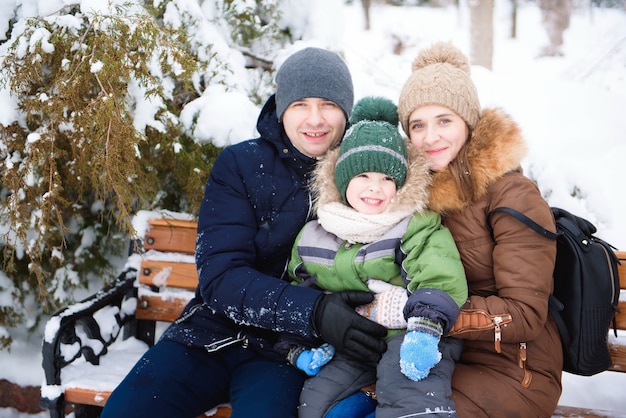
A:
352	226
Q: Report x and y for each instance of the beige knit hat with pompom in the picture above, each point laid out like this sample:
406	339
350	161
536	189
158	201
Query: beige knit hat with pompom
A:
441	75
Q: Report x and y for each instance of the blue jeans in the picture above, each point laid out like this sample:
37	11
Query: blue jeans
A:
173	380
358	405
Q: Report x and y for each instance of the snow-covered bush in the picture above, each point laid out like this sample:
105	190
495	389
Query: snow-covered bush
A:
97	134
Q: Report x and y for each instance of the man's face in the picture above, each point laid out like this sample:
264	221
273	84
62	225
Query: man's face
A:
314	125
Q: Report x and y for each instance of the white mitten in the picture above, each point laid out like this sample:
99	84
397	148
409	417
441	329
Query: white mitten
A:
387	306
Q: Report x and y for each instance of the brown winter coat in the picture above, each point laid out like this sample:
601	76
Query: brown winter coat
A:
510	278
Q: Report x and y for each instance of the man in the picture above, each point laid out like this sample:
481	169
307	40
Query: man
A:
256	200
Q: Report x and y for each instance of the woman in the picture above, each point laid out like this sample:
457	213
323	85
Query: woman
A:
512	360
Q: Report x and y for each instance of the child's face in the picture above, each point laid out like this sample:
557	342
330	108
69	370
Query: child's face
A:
370	193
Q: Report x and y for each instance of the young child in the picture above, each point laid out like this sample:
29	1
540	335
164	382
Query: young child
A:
374	233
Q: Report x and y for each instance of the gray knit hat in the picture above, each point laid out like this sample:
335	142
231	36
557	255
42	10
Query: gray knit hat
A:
441	75
314	72
372	144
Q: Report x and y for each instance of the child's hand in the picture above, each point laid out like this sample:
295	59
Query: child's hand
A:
419	351
311	361
387	306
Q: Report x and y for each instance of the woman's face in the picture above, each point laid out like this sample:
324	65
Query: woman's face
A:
439	132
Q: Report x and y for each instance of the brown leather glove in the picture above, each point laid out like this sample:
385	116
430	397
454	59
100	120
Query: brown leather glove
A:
480	320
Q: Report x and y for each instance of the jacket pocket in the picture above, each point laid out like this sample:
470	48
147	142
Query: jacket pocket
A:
472	320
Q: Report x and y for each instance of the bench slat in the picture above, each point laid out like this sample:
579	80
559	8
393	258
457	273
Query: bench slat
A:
99	398
171	235
172	274
86	396
157	308
575	412
618	356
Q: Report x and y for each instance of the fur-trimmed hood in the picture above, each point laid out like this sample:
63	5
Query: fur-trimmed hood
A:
496	147
414	193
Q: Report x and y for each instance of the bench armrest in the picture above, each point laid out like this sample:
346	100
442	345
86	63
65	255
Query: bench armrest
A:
86	328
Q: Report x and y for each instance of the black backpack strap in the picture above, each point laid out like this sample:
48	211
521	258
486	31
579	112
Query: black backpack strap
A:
523	219
555	306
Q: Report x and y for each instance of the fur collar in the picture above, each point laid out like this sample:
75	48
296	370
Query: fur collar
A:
496	148
411	197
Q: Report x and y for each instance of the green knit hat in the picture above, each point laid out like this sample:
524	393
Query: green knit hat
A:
372	144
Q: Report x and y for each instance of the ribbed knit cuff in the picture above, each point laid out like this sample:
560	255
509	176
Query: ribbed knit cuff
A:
294	353
426	325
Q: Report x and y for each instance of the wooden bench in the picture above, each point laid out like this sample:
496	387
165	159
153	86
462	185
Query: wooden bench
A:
89	346
83	359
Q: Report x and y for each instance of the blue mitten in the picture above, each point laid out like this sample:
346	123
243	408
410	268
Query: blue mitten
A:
419	351
311	361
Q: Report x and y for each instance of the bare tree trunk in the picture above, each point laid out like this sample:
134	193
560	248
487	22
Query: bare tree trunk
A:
555	18
366	10
481	32
513	19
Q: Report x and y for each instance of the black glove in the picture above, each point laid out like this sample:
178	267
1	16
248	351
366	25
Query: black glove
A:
335	320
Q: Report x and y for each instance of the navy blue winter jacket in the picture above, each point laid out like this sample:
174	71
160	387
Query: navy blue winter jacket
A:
256	200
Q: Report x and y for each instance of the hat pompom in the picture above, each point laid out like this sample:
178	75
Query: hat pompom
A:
375	109
441	53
